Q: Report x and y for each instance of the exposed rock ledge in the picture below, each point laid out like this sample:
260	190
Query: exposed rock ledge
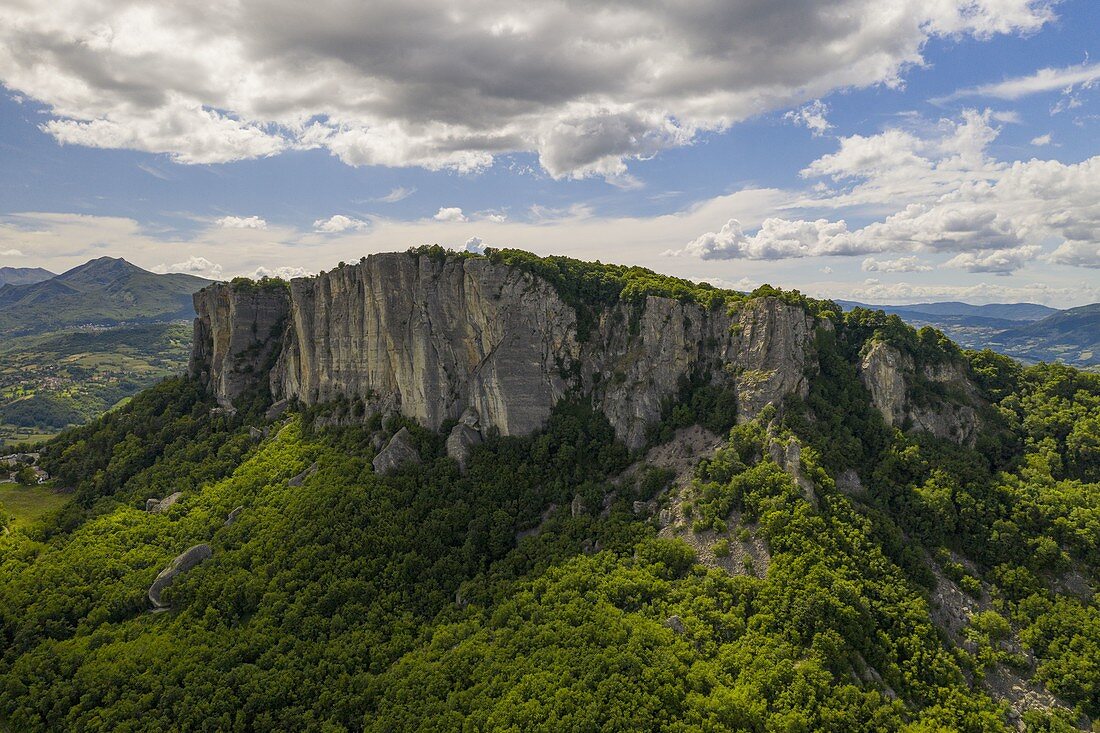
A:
430	338
890	376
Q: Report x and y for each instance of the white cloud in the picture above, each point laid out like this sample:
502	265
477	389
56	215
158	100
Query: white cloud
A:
997	261
586	86
192	266
1041	140
475	245
493	217
947	196
1078	254
11	253
812	117
901	264
284	273
339	223
242	222
1043	80
400	193
776	239
450	213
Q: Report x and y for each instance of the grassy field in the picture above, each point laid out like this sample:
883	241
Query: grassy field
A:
11	435
28	504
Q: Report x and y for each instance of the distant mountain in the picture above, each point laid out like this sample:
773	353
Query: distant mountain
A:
998	311
1072	336
23	275
104	291
1025	331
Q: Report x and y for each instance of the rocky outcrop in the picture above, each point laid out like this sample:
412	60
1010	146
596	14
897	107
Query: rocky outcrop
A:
429	337
463	438
300	478
400	451
183	562
233	516
237	330
893	379
160	506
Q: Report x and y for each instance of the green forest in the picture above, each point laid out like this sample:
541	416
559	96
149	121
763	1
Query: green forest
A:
531	592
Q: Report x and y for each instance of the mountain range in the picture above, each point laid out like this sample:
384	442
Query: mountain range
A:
102	292
1026	331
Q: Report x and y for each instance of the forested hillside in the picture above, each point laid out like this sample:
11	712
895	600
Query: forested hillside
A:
811	568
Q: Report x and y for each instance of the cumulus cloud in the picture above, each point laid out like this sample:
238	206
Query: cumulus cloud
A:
450	213
192	266
242	222
586	86
812	117
901	264
339	223
285	273
1041	140
948	196
475	245
996	261
1078	254
11	253
776	239
400	193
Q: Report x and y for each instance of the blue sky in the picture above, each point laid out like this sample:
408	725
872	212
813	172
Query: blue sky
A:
934	150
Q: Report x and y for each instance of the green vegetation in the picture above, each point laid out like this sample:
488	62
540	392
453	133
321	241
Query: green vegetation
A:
53	380
532	593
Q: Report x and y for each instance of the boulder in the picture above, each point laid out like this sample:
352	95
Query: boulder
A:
183	562
463	438
276	410
675	623
233	516
300	478
400	451
160	506
255	434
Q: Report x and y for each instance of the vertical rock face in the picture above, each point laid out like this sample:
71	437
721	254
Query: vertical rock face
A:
429	338
432	337
236	331
772	342
892	376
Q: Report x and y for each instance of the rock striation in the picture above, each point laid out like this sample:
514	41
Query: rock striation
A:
236	332
431	338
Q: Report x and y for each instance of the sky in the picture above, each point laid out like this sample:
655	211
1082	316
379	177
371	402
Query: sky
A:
887	151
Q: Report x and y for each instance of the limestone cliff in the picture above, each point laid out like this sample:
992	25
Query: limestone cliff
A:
236	333
895	383
431	337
